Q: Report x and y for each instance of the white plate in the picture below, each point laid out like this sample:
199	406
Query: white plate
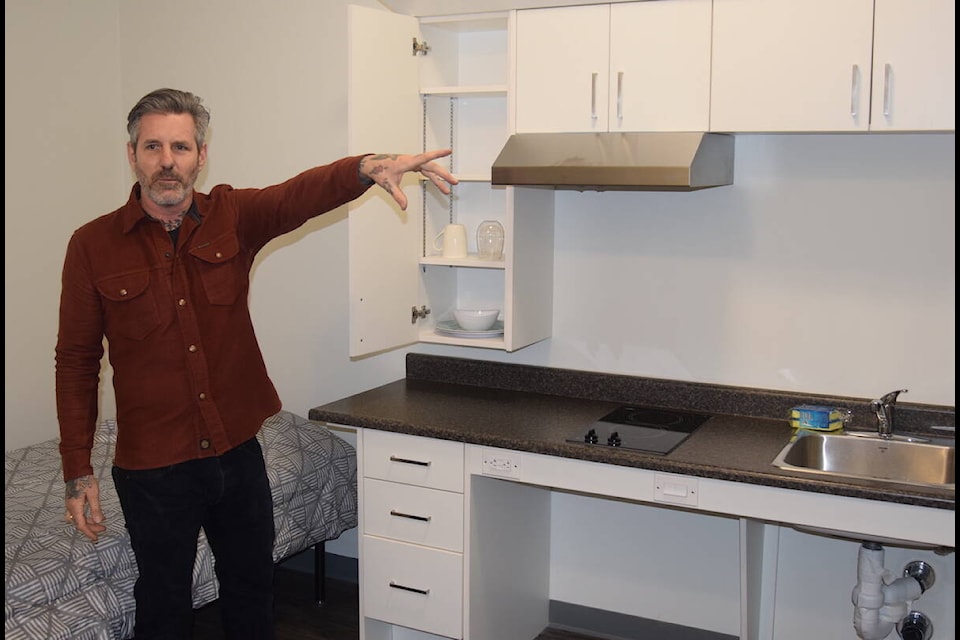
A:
451	328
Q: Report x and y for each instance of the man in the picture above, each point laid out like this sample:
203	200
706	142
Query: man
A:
165	279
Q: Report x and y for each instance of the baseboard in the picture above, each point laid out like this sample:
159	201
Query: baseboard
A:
619	626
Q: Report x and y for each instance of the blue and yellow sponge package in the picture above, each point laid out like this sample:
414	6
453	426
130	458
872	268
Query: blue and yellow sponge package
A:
818	418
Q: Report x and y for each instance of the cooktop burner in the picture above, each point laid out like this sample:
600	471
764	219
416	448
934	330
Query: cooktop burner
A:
646	429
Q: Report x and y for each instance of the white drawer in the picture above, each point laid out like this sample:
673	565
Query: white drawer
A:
413	514
424	462
413	586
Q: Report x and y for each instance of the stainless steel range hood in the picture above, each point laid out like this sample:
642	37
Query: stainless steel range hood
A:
671	161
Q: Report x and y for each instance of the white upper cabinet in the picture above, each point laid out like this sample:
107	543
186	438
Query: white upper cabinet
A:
636	66
789	65
432	83
914	72
380	236
807	66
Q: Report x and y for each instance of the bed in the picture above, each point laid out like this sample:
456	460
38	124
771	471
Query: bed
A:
60	586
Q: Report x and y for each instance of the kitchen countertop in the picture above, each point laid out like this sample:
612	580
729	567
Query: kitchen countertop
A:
536	409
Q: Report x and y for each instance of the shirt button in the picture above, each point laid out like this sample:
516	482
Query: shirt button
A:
204	444
166	254
182	302
219	255
192	348
123	292
202	396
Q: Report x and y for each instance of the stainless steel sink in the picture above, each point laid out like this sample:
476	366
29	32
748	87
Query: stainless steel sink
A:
899	459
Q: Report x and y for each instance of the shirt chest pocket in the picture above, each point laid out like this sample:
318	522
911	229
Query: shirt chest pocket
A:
221	269
129	305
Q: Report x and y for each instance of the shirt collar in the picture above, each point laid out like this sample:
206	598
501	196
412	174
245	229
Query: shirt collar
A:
133	214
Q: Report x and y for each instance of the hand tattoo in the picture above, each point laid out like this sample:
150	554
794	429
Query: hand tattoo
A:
377	171
382	156
78	486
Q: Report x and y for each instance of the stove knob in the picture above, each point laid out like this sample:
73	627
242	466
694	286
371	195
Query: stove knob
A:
591	437
614	439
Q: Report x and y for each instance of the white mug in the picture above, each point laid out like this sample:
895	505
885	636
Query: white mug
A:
454	238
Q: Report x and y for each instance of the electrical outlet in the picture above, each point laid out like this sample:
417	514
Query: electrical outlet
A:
499	463
676	489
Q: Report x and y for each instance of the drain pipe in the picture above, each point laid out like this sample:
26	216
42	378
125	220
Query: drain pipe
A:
879	604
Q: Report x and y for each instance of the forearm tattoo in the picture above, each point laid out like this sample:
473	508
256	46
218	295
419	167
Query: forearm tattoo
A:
78	486
377	171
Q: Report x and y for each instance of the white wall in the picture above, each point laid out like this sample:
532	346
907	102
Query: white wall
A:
273	76
63	149
828	267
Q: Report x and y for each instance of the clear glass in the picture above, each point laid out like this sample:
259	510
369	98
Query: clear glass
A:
490	240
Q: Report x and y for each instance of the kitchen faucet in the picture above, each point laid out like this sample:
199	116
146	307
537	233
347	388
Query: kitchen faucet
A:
884	409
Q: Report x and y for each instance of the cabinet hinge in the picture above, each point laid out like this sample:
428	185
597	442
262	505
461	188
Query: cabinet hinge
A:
418	314
421	48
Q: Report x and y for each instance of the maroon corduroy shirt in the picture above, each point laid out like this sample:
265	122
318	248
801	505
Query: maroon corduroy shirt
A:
189	378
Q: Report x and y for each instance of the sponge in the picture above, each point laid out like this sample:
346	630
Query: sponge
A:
817	417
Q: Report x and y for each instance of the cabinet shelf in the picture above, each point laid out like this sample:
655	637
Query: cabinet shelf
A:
465	177
456	91
465	23
431	336
474	177
471	261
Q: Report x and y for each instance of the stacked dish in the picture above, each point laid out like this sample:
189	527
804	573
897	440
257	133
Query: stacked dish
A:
472	323
451	328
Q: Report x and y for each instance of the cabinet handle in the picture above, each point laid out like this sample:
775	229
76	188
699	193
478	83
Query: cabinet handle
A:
887	78
409	461
620	95
401	514
593	96
394	585
854	91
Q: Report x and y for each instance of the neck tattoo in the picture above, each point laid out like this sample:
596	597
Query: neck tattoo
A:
171	225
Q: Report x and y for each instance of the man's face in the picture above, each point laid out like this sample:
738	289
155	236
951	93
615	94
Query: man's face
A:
167	160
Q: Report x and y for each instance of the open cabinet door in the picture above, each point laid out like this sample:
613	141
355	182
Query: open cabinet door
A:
384	116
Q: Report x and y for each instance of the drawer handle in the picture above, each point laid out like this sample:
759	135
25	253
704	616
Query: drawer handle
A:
409	461
400	514
394	585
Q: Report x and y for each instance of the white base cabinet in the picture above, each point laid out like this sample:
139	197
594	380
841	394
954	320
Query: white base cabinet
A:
413	586
411	536
448	550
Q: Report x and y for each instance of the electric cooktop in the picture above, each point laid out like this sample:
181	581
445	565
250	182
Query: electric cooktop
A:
646	429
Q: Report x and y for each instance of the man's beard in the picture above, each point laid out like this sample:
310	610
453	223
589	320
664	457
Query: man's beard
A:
166	194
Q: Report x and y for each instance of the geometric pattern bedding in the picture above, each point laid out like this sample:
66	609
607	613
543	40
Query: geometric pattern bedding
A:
60	586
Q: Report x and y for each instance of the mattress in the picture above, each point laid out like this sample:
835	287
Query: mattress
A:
58	585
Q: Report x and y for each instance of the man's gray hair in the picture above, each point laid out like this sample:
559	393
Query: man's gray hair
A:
169	101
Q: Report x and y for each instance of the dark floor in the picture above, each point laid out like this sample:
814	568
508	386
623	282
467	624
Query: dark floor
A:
297	617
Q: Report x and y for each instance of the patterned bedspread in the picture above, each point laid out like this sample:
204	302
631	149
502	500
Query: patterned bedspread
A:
60	586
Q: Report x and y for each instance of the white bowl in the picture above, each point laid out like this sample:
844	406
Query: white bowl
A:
476	319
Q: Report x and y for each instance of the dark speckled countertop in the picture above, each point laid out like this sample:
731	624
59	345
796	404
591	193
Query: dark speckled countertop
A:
536	409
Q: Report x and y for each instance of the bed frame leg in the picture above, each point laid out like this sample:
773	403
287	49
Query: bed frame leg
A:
319	573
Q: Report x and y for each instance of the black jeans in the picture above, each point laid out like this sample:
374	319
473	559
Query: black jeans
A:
229	496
